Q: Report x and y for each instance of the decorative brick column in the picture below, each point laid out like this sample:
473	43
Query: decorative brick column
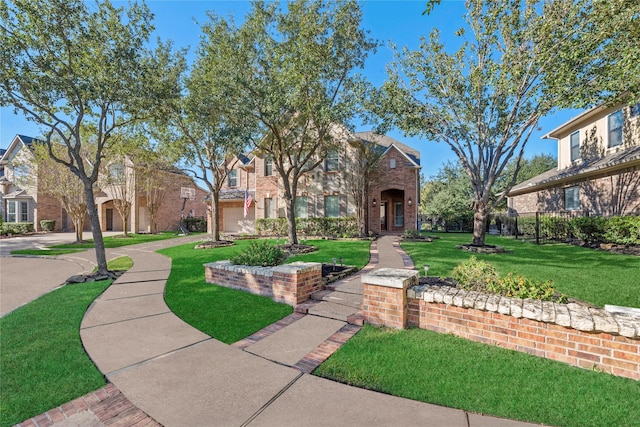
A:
384	296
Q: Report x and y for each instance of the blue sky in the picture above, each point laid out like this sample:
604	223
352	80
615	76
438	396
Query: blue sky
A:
400	22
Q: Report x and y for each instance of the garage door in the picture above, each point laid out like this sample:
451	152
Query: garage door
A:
235	222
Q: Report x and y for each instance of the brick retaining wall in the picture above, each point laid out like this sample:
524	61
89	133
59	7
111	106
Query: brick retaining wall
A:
291	284
570	333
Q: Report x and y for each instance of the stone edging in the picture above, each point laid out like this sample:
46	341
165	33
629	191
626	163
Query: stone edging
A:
570	315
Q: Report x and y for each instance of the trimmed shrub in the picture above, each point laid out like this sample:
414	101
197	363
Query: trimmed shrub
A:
16	228
317	226
622	230
260	253
195	224
588	228
475	275
411	234
47	224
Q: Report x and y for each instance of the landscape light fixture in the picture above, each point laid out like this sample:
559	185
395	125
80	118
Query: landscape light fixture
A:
426	270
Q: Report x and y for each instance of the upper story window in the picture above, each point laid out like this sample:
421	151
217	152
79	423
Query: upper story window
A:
572	198
635	110
615	128
332	161
233	178
116	172
268	166
392	163
575	146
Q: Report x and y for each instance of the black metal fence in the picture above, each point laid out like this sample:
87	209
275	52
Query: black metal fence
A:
541	227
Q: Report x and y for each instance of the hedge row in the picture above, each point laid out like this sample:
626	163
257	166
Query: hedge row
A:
319	226
621	230
16	227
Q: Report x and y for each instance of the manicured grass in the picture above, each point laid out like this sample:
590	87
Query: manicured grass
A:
43	362
225	314
45	252
230	315
594	276
450	371
120	240
352	252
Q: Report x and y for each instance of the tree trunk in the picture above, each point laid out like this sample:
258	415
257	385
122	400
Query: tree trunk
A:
479	226
92	210
291	222
215	215
78	223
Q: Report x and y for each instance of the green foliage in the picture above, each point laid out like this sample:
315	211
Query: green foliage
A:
555	227
48	224
343	227
196	224
475	275
447	197
590	229
411	234
481	276
16	228
623	230
457	373
260	252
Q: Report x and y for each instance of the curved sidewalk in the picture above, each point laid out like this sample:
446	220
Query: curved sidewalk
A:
180	376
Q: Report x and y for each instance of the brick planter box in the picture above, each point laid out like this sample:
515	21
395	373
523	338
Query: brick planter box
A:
571	333
291	284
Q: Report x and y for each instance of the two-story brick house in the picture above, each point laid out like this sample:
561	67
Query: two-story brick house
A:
598	169
325	191
23	201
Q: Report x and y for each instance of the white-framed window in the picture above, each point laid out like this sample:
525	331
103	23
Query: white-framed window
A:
268	166
572	198
17	211
575	146
398	214
332	161
392	163
269	208
331	206
233	178
615	128
302	207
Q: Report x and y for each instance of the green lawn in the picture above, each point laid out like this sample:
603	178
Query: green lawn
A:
450	371
119	240
45	252
43	362
594	276
230	315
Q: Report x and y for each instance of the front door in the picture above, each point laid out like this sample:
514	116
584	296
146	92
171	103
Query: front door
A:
383	216
109	219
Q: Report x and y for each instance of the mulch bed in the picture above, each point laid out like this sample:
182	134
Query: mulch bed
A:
298	249
209	244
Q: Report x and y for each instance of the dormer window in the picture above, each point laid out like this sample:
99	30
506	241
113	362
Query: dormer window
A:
615	128
575	146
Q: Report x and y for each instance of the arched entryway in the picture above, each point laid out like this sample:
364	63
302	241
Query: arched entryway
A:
392	211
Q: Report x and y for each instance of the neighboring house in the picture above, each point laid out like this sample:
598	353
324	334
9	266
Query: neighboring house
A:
325	191
31	205
598	169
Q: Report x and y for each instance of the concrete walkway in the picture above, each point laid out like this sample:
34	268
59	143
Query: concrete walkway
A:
163	371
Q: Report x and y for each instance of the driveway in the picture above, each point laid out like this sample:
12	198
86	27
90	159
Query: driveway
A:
23	279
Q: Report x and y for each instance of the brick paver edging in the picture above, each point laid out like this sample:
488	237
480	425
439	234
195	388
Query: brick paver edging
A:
107	404
267	331
329	346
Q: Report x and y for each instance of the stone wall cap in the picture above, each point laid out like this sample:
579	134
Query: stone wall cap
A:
391	278
298	267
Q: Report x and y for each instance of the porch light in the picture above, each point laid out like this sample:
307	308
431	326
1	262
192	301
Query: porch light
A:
374	202
410	201
426	270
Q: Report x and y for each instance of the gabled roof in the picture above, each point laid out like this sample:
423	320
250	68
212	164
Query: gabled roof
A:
16	194
385	141
623	159
27	141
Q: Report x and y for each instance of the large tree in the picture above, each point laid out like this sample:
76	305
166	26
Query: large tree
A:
206	125
70	66
517	61
303	85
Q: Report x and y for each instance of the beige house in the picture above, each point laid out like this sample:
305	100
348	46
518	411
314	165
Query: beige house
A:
29	204
598	170
325	191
